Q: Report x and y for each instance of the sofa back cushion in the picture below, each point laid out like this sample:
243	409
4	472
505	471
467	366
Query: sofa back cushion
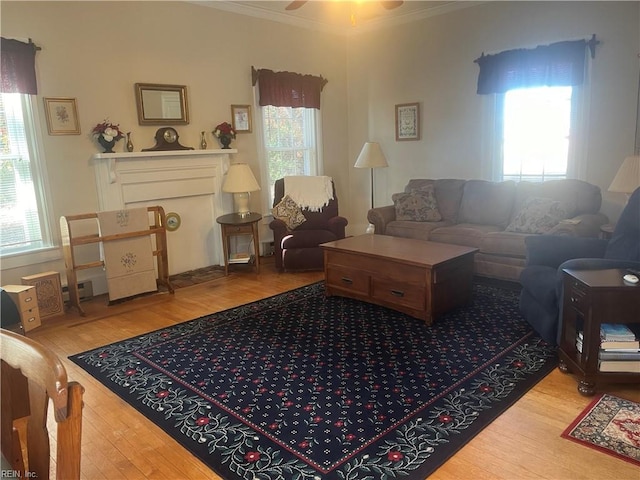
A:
448	194
576	196
487	203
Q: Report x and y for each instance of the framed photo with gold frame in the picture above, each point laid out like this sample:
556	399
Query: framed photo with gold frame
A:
241	118
62	116
407	121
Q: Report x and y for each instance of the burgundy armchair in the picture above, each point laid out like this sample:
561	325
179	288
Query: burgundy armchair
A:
299	249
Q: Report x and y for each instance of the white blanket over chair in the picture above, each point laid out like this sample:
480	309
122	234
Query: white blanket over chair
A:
128	261
310	192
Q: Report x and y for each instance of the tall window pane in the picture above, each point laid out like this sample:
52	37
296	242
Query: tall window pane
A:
289	143
22	224
536	127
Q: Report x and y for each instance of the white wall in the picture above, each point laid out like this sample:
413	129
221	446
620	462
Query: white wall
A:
96	52
432	62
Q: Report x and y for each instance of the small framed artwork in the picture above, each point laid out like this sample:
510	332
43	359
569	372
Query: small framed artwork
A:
62	116
408	121
241	118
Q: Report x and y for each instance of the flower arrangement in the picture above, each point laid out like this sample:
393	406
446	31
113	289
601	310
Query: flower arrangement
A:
108	131
224	129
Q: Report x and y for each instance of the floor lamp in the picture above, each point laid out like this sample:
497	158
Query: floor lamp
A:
371	156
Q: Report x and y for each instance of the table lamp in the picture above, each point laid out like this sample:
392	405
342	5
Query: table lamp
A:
240	181
371	156
628	177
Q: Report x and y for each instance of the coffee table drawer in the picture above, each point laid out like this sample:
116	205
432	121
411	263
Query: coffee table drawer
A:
399	293
347	279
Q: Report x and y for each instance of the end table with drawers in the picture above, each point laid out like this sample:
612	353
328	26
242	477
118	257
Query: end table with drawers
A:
591	298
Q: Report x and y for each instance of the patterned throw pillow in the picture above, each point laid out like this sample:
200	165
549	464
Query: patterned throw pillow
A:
289	212
537	215
417	206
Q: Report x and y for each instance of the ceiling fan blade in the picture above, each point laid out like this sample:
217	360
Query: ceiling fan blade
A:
389	5
298	4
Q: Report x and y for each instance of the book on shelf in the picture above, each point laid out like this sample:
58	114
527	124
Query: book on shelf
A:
621	366
619	355
611	346
242	257
616	332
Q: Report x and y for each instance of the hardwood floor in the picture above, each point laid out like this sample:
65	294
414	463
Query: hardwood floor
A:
119	443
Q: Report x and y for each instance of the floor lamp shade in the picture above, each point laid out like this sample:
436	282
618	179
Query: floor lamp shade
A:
628	177
371	156
240	181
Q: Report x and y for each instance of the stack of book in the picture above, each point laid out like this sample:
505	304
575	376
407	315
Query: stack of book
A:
619	348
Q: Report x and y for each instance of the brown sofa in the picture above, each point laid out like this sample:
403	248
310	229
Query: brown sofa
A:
482	214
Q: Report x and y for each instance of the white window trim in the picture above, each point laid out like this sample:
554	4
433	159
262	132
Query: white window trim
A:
51	251
577	158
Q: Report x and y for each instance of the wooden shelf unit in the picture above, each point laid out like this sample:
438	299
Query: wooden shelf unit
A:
69	242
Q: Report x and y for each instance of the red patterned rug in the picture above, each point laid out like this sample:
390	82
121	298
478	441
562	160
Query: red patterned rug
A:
611	425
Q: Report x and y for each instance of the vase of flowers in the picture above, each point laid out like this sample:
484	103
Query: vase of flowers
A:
224	133
107	134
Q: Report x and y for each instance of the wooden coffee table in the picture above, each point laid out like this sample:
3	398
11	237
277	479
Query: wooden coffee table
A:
419	278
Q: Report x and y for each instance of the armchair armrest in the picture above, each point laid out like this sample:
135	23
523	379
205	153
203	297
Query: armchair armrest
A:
552	250
278	226
380	216
585	225
337	226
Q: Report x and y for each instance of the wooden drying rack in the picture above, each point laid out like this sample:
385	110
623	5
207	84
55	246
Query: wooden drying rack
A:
157	228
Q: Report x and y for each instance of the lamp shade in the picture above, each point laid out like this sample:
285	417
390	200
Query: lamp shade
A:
240	179
628	177
371	156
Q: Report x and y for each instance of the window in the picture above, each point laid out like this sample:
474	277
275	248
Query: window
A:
536	133
290	145
23	219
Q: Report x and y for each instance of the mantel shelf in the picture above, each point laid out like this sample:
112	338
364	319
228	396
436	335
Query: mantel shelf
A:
164	153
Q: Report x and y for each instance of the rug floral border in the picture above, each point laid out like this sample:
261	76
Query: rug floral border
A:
435	431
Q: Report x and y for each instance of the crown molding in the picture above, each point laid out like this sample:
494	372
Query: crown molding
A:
366	26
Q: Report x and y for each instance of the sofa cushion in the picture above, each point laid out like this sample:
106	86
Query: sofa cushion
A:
487	203
466	234
417	206
577	196
448	194
416	230
289	212
538	215
504	243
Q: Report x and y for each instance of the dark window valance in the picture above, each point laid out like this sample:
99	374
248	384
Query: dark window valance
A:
558	64
18	67
288	89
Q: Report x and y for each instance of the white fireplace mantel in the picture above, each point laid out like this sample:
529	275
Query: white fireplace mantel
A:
188	182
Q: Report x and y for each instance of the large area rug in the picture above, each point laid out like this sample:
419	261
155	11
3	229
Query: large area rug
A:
611	425
301	386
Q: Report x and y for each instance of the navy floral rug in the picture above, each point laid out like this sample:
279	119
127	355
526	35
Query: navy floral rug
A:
304	386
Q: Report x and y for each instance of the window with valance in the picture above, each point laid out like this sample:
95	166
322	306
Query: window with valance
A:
290	125
24	223
537	92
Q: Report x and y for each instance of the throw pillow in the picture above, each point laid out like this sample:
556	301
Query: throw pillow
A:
537	215
417	206
289	212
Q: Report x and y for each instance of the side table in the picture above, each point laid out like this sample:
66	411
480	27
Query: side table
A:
592	297
236	224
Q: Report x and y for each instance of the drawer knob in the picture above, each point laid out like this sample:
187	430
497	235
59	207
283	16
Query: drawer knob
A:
28	299
574	300
347	280
397	293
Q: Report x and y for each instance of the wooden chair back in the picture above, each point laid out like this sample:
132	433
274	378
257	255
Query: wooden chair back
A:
31	375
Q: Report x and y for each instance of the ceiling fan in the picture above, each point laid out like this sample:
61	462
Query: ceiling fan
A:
389	5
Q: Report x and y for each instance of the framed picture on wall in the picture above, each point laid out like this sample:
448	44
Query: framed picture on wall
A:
408	121
241	118
62	116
